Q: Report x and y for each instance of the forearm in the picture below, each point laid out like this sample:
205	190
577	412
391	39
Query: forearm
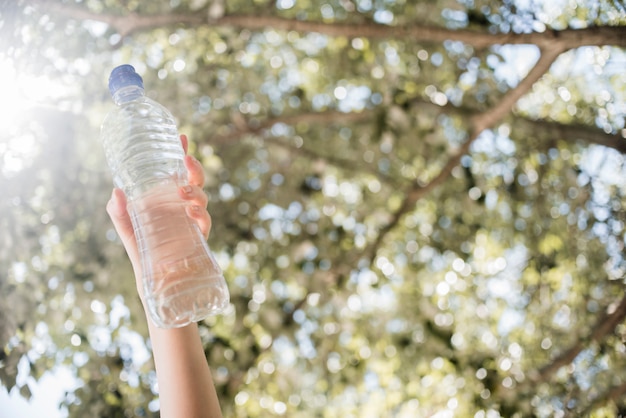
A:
186	387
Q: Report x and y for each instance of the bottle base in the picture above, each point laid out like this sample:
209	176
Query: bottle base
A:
175	309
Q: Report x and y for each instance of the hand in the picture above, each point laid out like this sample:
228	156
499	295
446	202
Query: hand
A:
192	193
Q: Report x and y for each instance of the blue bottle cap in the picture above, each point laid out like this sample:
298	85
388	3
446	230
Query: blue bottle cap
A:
124	76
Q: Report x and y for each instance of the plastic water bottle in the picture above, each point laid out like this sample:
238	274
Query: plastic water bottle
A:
182	282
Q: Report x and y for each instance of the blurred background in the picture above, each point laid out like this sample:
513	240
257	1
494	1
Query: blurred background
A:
418	206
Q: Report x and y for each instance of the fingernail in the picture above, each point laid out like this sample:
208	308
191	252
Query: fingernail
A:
186	189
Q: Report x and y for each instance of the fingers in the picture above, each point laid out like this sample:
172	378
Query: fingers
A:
194	196
195	171
197	201
200	215
194	168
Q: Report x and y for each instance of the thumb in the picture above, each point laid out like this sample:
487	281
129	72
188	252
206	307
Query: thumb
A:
116	208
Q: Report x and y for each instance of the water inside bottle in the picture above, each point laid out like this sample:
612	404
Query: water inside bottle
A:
182	280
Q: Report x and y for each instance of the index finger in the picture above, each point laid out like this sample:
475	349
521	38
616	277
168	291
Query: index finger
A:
194	168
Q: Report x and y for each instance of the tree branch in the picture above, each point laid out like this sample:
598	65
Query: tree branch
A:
605	325
481	122
569	38
494	115
254	127
130	23
537	127
315	118
123	24
581	132
543	128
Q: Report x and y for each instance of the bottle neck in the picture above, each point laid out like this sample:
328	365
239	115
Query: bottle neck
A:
127	94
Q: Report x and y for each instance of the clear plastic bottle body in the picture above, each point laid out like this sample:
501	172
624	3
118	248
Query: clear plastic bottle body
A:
182	282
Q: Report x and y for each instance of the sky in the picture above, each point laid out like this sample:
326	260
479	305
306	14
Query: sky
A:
47	394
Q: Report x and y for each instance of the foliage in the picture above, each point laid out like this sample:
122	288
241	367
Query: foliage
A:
419	206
